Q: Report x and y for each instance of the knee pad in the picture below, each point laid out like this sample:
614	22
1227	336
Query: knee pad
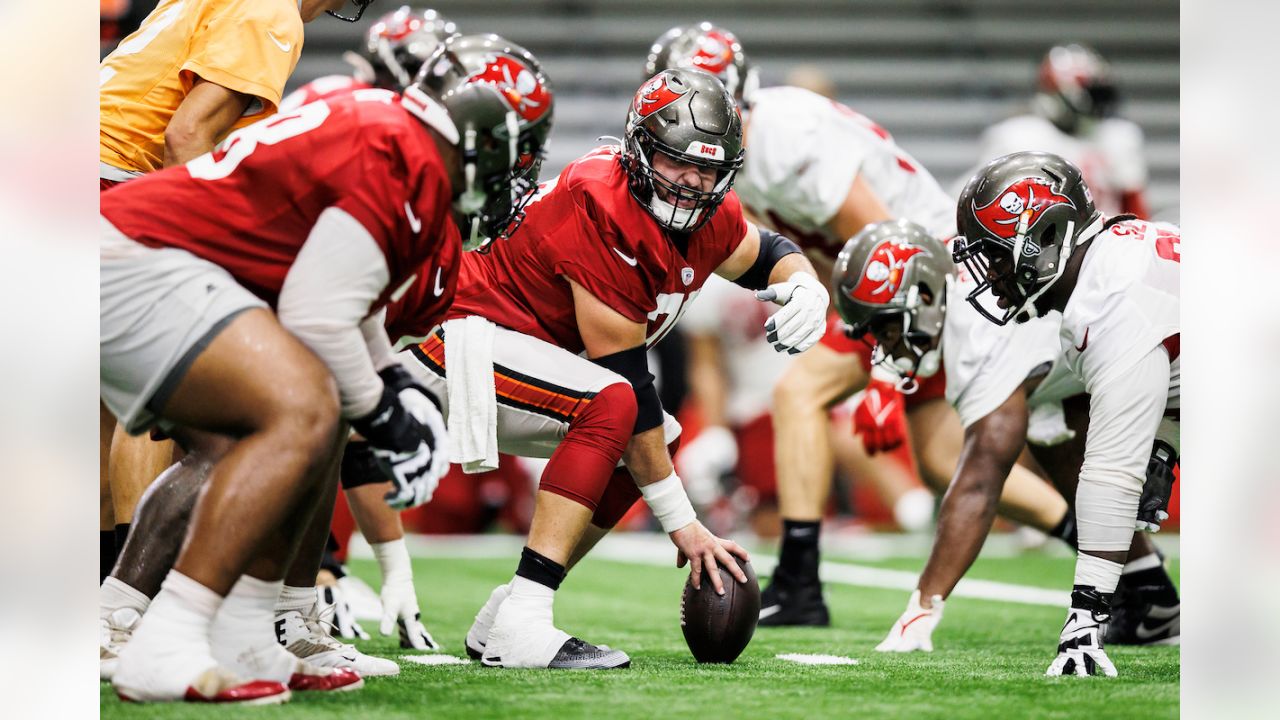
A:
359	467
581	466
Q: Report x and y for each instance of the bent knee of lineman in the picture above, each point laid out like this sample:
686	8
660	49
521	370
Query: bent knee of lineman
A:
598	434
306	410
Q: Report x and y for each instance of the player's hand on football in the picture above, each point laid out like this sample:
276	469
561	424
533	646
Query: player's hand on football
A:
700	549
1080	645
407	435
914	629
880	418
400	612
800	323
1153	507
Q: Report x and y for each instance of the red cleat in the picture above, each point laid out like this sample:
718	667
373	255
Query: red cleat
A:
255	692
334	680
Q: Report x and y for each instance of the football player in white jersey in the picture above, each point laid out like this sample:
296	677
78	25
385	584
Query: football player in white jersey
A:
1007	383
819	172
1033	238
1073	115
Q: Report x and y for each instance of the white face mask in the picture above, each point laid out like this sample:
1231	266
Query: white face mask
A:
930	363
676	218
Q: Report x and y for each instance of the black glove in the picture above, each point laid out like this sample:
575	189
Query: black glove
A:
1153	507
405	443
397	377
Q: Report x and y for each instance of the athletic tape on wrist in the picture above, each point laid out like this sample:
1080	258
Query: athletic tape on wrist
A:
669	503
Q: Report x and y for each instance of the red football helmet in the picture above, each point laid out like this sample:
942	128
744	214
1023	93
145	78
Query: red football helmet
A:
1075	87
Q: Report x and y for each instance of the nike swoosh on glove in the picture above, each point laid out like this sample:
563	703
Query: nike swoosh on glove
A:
914	629
400	611
880	418
801	322
1080	650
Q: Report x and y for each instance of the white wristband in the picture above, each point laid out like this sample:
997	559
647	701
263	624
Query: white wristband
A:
669	503
393	560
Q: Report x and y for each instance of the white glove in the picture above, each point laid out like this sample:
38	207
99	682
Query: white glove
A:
415	473
803	318
914	629
399	598
331	603
1080	650
711	454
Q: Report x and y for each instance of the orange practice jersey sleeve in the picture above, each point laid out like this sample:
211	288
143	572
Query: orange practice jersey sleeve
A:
250	46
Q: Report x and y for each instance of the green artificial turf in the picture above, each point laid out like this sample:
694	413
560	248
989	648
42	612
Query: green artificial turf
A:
989	661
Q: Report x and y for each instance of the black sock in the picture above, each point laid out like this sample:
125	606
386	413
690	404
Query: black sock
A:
106	553
1066	530
1153	585
799	555
122	534
540	569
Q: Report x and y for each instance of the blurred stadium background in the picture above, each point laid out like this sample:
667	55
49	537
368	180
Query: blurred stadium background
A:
935	73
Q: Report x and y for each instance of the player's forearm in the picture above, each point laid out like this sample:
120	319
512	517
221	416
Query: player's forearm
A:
790	265
707	379
646	457
964	520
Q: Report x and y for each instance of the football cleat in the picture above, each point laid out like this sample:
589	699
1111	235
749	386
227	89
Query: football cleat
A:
523	636
791	602
157	666
305	636
322	679
478	635
215	685
1080	650
332	601
1134	621
115	629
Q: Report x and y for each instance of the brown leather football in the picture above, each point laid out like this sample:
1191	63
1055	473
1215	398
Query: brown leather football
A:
718	627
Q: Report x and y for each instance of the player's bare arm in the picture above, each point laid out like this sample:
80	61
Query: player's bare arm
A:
860	208
205	115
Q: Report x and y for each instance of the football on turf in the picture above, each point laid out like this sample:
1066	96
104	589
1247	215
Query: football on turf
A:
718	627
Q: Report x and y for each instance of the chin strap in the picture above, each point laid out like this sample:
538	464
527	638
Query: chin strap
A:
1028	310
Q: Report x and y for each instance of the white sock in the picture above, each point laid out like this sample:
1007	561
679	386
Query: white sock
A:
1146	562
530	599
243	636
1094	571
115	594
296	598
393	559
183	609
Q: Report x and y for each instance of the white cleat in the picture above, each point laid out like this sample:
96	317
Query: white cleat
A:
523	636
115	629
156	667
304	636
478	635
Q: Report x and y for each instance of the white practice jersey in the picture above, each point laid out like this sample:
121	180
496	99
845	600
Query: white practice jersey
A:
1125	303
803	153
986	363
734	316
1109	155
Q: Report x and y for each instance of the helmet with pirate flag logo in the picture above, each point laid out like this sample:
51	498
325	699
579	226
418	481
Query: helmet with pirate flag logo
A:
706	47
498	106
1020	218
1075	87
687	115
397	44
891	280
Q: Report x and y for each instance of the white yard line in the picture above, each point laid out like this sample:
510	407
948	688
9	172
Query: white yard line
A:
656	550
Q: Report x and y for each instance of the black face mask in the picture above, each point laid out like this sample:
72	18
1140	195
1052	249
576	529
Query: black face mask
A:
361	6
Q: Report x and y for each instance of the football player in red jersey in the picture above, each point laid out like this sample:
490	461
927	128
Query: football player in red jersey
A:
545	346
820	172
394	48
323	215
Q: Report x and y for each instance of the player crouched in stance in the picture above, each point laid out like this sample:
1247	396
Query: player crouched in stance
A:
1031	235
545	348
322	215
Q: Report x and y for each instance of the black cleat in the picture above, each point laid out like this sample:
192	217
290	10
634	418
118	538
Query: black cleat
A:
1134	621
576	654
788	602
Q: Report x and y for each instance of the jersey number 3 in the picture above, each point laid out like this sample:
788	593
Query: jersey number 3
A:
224	159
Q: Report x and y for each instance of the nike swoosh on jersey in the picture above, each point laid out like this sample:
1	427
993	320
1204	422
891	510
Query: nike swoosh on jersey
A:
285	46
625	258
1085	343
415	222
438	290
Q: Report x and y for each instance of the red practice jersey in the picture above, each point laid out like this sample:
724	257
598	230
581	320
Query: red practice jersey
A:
249	205
586	226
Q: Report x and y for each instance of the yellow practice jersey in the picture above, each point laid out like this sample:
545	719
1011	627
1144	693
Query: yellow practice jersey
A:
250	46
